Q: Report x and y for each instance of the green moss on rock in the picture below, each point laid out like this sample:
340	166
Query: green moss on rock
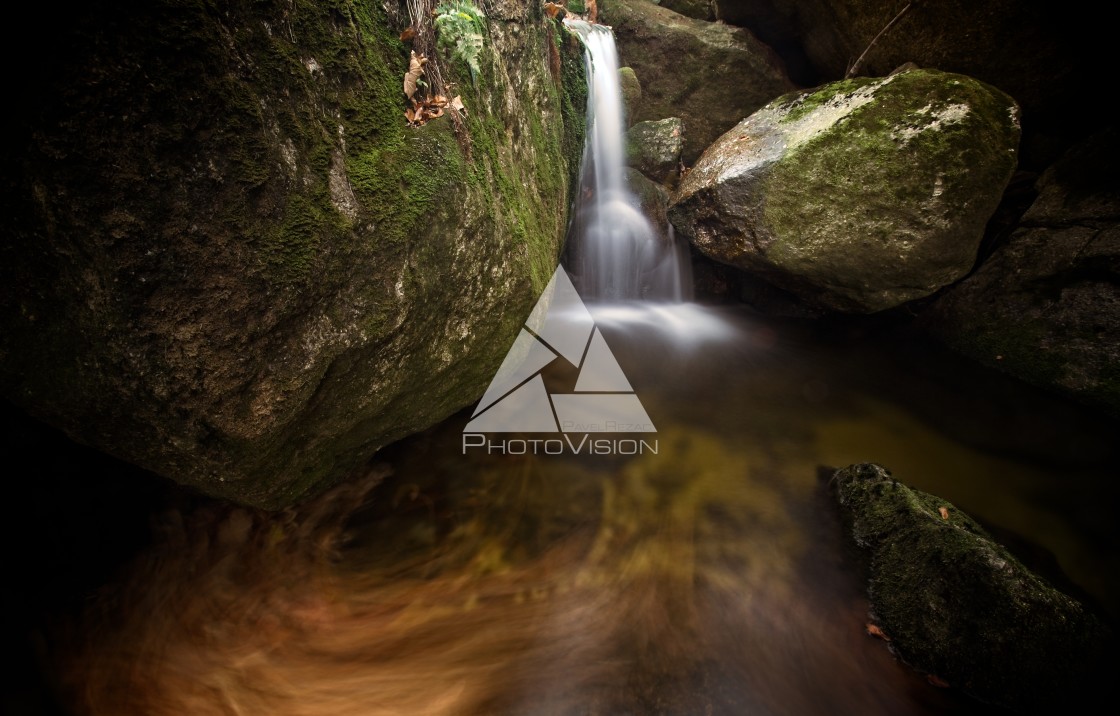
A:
245	268
860	195
957	605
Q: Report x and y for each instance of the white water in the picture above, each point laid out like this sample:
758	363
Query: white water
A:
617	253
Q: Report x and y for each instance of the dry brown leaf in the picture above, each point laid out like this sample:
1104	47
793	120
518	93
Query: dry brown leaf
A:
944	512
457	104
415	69
591	11
408	34
937	681
875	631
553	9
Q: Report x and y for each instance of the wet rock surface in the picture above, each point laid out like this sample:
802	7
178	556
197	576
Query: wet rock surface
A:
1045	306
860	195
958	606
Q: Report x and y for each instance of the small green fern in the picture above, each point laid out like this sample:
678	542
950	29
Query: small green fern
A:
460	25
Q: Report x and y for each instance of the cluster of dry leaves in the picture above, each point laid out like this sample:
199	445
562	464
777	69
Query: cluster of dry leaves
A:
591	13
425	108
429	108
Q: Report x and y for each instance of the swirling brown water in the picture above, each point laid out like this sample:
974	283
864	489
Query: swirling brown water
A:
710	578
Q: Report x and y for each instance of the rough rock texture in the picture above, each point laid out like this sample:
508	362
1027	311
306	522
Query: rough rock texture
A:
698	9
229	260
1037	51
709	74
959	606
860	195
654	148
1046	306
631	92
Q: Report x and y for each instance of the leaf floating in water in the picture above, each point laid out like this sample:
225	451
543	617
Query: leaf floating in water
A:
944	512
415	69
408	34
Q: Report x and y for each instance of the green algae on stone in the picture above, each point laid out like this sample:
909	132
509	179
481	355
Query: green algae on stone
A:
957	605
631	93
860	195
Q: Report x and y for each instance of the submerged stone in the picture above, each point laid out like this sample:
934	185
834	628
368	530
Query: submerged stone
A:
958	606
860	195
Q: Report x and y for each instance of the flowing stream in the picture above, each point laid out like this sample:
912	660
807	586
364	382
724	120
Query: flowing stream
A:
707	577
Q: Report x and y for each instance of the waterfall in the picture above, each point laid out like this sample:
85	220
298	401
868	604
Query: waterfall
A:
615	253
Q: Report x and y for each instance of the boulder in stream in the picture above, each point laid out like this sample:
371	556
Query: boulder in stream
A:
958	606
1045	306
860	195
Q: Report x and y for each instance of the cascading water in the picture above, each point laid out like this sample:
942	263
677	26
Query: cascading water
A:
617	253
707	576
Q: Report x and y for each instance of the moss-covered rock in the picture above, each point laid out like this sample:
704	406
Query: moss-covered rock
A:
654	148
631	92
709	74
229	260
1045	306
860	195
957	605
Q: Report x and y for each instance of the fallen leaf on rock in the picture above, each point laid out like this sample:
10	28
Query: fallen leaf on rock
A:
408	34
937	681
875	631
424	110
553	9
457	104
944	512
415	69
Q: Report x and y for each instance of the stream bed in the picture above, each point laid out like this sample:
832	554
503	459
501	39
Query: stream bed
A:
708	577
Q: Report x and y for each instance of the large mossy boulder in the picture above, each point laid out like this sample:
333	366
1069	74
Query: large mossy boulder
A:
860	195
709	74
228	259
958	606
1045	306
